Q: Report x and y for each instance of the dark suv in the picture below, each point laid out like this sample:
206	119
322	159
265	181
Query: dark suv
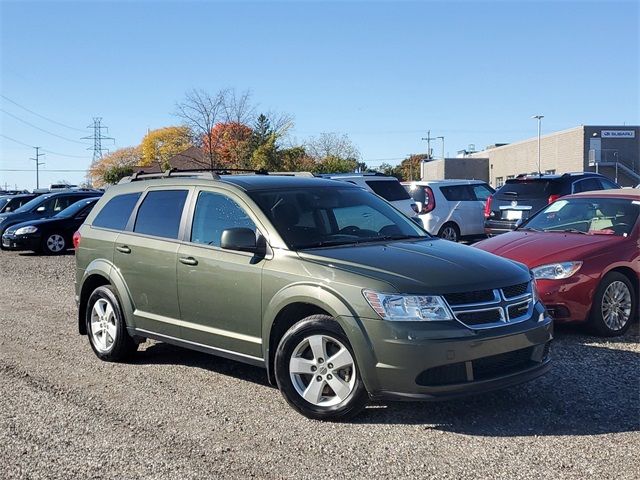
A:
336	293
521	197
44	206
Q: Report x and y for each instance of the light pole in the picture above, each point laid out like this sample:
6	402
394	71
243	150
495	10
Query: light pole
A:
442	138
539	118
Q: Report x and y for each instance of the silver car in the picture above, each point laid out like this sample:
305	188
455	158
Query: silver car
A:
451	209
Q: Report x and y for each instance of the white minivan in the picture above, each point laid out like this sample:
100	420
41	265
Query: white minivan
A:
451	209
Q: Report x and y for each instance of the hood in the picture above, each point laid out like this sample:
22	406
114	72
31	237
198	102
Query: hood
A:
49	221
539	248
425	266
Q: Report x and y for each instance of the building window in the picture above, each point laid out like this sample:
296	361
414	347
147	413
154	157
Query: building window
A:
499	182
550	172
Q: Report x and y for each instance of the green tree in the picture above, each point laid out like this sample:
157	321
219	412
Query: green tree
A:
123	157
265	156
115	173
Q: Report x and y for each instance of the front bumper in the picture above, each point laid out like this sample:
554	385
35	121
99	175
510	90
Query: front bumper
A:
432	362
568	300
20	242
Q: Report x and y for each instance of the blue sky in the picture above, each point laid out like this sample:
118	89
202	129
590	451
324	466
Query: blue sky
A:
382	72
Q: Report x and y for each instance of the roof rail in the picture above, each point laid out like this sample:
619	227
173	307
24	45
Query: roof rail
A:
293	174
199	173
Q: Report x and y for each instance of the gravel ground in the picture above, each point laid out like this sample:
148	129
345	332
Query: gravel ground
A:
173	413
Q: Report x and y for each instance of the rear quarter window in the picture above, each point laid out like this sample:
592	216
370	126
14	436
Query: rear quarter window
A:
530	188
115	214
457	193
390	190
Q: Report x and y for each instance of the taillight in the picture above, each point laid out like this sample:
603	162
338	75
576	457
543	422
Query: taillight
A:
76	240
487	207
553	198
429	200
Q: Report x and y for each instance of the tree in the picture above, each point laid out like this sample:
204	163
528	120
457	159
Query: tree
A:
115	173
230	144
410	167
332	145
158	146
265	156
121	158
295	159
332	164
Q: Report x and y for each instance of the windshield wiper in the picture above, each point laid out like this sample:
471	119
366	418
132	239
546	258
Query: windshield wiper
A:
569	230
530	229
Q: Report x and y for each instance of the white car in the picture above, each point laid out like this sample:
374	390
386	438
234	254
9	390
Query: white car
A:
451	209
388	188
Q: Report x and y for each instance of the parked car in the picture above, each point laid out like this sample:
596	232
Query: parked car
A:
327	286
584	251
44	206
49	235
451	209
521	197
9	203
388	188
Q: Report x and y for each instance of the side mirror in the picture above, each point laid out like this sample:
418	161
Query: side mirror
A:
7	210
241	239
40	209
419	205
519	222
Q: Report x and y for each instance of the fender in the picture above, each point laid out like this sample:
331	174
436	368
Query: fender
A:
106	269
334	304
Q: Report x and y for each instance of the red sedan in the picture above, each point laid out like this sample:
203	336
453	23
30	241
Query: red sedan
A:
584	251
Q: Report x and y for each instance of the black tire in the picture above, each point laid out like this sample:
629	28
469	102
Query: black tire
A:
326	326
597	322
123	347
48	243
452	229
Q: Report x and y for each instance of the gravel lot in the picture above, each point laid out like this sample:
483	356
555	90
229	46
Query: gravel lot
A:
173	413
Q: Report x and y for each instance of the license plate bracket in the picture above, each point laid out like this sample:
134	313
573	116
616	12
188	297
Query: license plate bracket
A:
513	214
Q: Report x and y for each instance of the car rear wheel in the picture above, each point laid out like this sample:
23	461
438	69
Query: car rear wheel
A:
106	328
316	370
54	244
615	305
450	231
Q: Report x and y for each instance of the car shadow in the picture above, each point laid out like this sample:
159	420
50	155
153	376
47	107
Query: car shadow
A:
40	254
592	388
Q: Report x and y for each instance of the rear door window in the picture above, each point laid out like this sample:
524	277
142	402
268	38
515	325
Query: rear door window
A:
607	184
390	190
587	185
115	214
457	193
530	188
160	213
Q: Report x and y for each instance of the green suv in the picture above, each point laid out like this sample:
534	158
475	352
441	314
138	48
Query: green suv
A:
331	289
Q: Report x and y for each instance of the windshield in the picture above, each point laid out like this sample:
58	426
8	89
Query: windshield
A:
605	216
319	217
3	202
73	209
32	204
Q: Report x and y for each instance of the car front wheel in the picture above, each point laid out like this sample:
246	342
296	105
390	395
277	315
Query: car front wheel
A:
54	244
316	370
615	305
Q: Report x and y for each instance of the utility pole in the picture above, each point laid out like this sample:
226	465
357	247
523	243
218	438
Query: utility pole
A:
38	163
428	138
539	118
97	138
442	138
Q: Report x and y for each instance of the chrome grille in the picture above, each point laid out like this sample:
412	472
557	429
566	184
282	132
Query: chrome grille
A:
492	308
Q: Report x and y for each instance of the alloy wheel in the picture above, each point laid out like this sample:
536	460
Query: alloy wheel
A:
103	325
449	233
616	305
322	370
55	243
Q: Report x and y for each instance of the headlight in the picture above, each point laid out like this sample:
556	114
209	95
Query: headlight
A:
556	271
26	230
408	308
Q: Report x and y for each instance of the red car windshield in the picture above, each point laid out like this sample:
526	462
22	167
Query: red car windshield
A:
603	216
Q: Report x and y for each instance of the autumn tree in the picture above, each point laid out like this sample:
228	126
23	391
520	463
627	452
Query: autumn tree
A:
158	146
106	169
230	144
409	168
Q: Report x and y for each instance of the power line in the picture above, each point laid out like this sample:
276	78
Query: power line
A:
44	149
42	170
39	115
97	138
41	129
38	163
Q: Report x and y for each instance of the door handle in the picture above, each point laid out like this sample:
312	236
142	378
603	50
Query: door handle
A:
123	249
188	260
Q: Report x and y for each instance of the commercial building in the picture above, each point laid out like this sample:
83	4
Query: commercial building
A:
611	150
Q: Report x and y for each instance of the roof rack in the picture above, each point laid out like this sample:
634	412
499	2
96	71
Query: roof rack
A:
204	173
